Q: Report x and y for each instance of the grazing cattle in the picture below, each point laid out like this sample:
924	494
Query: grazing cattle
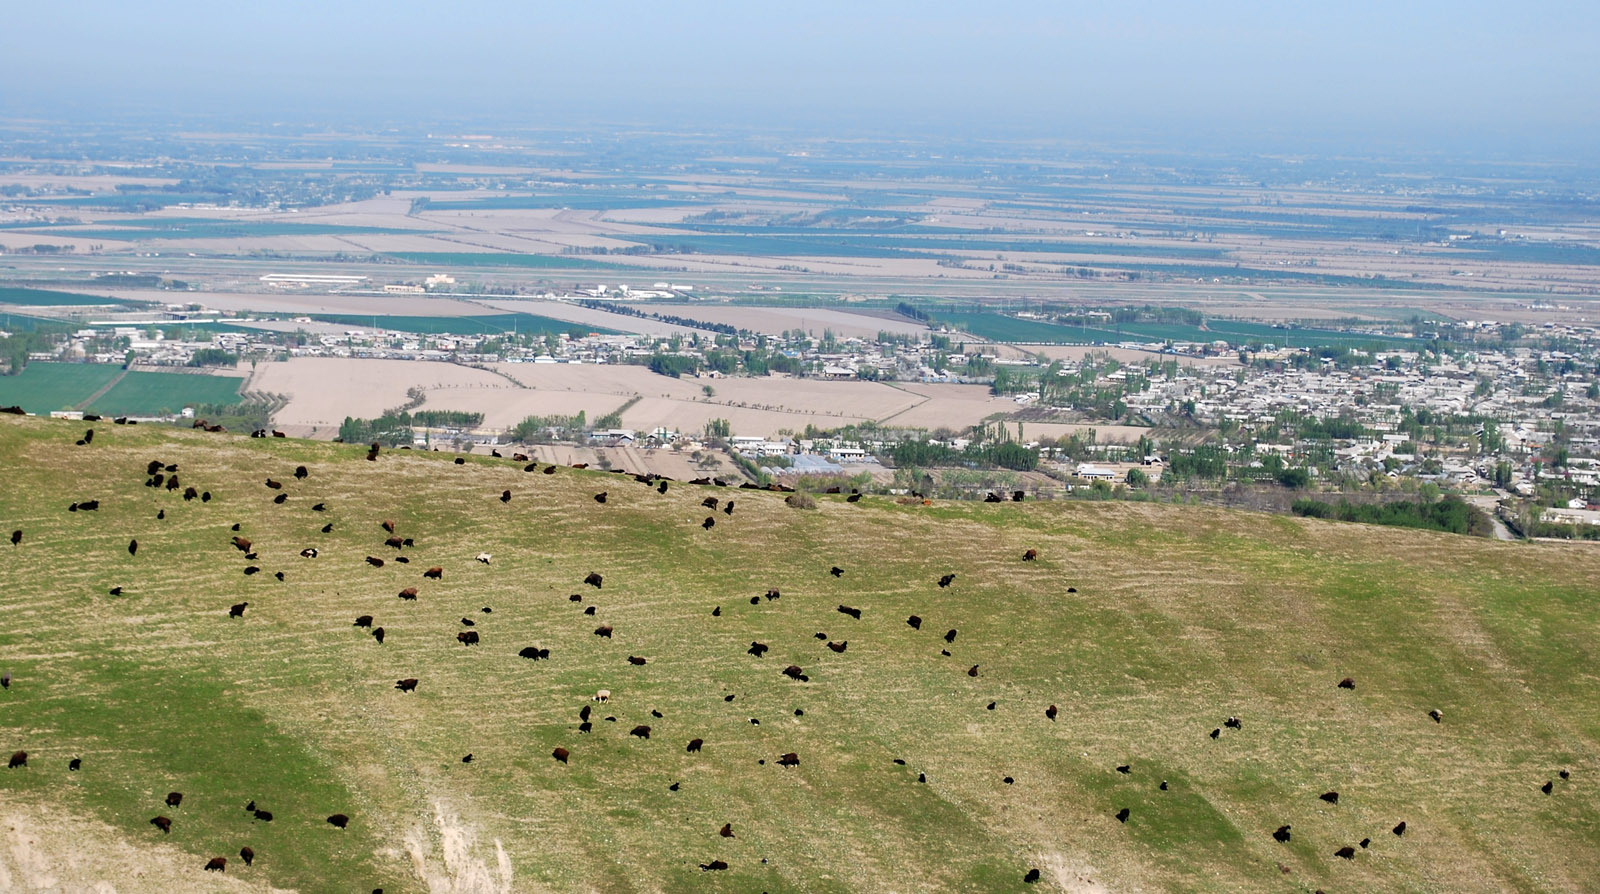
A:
91	417
534	653
247	855
794	672
387	524
1163	785
237	610
205	496
372	454
641	731
1233	723
133	547
115	591
377	634
1017	495
396	542
88	436
603	630
217	864
467	637
1565	774
75	764
852	612
950	636
836	571
915	622
407	542
561	754
709	523
1050	712
338	821
1347	683
757	649
549	470
839	647
483	557
162	823
1125	769
728	509
1216	732
90	506
16	537
1548	786
1437	715
726	831
1330	797
319	507
408	593
434	573
602	695
661	486
1030	555
772	593
694	746
263	815
161	514
714	864
1365	842
1030	877
594	580
972	671
460	461
469	622
990	706
636	661
280	499
580	465
1399	829
991	498
853	498
275	485
946	581
716	612
300	472
1347	852
600	497
363	621
505	496
407	685
174	799
709	502
327	528
820	635
18	759
374	561
1122	815
309	553
1282	835
278	575
251	569
789	760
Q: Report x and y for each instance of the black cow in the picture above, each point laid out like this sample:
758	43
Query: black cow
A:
757	649
1347	683
852	612
946	581
636	661
162	823
950	636
641	731
794	672
247	855
363	621
694	746
789	760
407	685
836	571
377	634
915	622
18	759
237	610
338	821
709	523
300	472
600	497
594	580
467	637
534	653
1050	712
1282	835
1330	797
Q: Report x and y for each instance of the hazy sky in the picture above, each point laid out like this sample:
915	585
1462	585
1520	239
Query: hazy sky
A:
1451	72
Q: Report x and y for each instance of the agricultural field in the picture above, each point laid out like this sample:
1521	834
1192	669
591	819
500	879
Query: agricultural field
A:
143	393
1145	626
500	259
142	229
46	387
25	297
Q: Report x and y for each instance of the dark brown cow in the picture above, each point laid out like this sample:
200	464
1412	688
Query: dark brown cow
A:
641	731
363	621
237	609
709	502
534	653
1050	712
217	864
853	498
1282	835
247	855
377	634
338	821
275	485
757	649
852	612
594	580
407	685
600	497
251	569
603	630
434	573
18	759
374	561
174	799
839	647
726	831
636	661
1347	683
789	760
16	537
1347	852
548	470
162	823
561	754
709	523
1030	555
1400	829
794	672
280	499
694	746
772	593
408	593
189	493
972	671
467	637
950	636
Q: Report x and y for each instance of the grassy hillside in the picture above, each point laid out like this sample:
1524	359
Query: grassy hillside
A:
1146	626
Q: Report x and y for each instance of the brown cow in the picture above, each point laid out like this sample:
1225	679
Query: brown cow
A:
408	593
793	672
636	661
1347	683
1030	555
395	542
789	760
217	864
1346	852
275	485
1050	712
407	685
16	537
18	759
603	630
174	799
972	671
726	831
247	855
374	561
561	754
839	647
852	612
162	823
600	497
434	573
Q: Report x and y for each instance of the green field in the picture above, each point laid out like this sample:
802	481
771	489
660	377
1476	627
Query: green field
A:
1005	328
491	259
50	298
46	387
1146	625
209	228
486	324
159	393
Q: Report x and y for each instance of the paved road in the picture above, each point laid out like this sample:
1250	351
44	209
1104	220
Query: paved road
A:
1489	504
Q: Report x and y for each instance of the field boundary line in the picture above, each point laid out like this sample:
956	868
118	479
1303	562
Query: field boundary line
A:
86	402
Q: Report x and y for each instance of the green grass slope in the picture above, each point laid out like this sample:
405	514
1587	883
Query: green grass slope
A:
1146	625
